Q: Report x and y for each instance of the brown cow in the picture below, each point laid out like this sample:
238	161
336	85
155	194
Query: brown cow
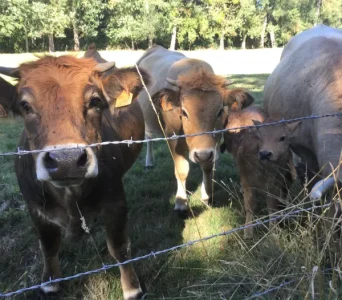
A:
189	99
68	102
263	158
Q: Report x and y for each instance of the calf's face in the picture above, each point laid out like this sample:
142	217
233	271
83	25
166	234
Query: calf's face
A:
199	104
63	102
273	141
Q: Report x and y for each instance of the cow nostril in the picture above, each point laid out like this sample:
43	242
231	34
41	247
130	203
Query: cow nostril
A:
81	162
265	154
50	161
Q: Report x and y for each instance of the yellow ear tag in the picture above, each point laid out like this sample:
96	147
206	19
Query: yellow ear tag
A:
166	105
124	99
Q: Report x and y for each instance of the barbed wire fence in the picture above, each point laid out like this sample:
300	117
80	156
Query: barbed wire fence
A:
21	152
164	251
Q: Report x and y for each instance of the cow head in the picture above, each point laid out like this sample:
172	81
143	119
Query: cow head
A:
63	101
273	141
199	102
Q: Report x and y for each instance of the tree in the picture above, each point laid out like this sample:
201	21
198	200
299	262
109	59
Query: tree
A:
223	17
249	21
84	17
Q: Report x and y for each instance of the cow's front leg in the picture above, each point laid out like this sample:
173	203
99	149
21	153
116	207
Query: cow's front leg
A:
207	183
50	241
115	216
181	173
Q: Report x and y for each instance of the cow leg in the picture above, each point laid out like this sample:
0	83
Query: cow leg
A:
119	247
249	204
181	172
149	154
273	195
207	188
50	238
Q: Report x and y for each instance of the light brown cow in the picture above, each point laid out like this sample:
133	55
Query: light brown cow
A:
67	102
263	158
189	99
308	81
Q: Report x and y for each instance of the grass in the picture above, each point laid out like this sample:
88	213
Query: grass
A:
222	268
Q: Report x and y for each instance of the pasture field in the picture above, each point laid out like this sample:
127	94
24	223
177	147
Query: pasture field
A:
222	268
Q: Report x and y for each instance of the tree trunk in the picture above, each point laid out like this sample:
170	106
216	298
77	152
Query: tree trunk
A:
150	41
132	42
263	31
243	44
51	43
222	41
272	37
26	43
76	37
318	11
173	38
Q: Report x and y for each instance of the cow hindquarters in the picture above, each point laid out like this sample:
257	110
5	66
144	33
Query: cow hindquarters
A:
50	237
115	216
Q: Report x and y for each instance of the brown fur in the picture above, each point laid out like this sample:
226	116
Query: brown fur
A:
271	176
201	80
59	92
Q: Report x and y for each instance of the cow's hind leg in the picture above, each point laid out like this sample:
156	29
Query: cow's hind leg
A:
119	247
50	241
149	154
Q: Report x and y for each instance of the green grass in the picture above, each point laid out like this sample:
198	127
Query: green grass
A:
222	268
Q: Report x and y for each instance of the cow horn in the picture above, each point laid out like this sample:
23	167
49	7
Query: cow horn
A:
172	81
227	82
321	187
12	72
103	67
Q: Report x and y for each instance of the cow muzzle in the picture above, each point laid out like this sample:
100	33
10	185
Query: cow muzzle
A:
203	156
66	167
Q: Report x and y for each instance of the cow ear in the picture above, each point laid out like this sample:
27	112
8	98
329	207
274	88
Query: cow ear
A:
256	122
166	99
293	126
237	99
122	86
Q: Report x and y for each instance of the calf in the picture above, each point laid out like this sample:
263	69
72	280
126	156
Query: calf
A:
189	99
263	159
69	103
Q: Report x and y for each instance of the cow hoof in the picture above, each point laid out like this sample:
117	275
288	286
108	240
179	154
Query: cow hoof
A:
248	234
46	295
183	214
149	167
133	294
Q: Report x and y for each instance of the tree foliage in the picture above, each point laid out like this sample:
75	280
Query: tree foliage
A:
39	25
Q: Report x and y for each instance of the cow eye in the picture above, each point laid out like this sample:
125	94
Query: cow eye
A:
184	114
282	139
96	103
26	107
220	113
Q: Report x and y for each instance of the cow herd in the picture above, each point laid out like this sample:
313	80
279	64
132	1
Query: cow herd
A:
68	103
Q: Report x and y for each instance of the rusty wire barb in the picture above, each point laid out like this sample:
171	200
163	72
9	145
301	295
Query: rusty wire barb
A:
21	152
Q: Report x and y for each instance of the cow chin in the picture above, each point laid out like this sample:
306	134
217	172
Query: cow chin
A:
66	169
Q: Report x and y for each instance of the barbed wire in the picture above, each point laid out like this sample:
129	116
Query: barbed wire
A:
154	254
20	152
